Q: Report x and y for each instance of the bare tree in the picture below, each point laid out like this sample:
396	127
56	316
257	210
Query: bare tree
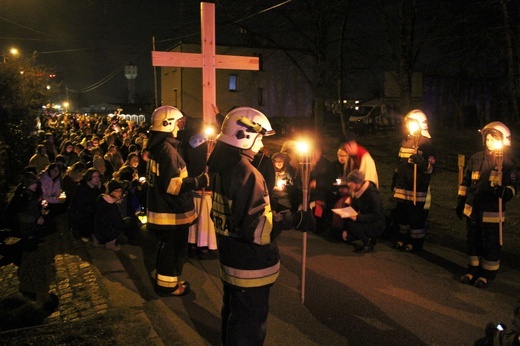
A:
513	59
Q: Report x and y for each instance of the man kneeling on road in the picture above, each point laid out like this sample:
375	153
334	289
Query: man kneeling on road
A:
369	223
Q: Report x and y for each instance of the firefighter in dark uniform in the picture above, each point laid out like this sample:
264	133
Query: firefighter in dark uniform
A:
170	204
411	183
246	227
489	180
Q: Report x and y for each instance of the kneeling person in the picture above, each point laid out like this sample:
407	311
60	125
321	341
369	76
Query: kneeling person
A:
109	225
369	223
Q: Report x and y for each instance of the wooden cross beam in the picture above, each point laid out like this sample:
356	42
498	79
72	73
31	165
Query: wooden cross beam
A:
208	61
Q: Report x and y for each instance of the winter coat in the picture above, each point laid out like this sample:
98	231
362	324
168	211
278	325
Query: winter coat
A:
243	219
108	222
476	190
23	211
170	202
39	161
323	173
367	203
403	179
82	207
51	188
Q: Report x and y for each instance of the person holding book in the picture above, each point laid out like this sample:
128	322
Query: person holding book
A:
369	222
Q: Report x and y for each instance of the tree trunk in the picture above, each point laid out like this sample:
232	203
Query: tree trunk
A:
513	70
407	13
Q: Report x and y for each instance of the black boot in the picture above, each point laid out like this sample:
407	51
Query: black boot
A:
368	247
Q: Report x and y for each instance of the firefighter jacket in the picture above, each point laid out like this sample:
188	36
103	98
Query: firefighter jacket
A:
170	203
243	219
404	173
476	192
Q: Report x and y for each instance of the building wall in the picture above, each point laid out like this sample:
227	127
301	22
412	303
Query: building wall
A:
278	90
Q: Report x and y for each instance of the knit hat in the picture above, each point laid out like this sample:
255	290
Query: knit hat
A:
60	159
356	176
281	156
29	178
126	173
113	185
132	148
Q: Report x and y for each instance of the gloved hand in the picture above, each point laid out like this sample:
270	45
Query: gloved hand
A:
198	182
304	221
503	192
419	161
459	210
202	180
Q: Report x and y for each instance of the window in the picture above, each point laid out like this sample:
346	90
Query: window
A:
233	82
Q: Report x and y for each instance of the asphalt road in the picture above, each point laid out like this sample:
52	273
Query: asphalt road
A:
381	298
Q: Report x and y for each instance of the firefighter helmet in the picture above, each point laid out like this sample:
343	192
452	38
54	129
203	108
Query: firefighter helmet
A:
242	126
164	118
499	130
418	116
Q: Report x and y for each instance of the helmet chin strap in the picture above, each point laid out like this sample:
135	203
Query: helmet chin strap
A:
175	130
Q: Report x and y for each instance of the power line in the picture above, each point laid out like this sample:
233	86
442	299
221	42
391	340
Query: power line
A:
234	22
106	78
28	28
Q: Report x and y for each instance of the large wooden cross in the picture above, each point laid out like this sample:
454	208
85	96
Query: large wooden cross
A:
208	61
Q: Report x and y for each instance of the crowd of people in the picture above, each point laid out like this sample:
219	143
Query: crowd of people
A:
228	192
78	161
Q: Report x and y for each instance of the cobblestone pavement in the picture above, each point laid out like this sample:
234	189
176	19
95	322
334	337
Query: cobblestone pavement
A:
69	275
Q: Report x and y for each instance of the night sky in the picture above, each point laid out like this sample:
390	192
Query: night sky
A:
87	41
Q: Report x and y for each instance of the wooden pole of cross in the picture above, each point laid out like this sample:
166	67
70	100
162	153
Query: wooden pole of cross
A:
208	60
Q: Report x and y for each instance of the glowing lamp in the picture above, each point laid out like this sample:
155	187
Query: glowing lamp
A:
303	147
209	131
498	145
413	127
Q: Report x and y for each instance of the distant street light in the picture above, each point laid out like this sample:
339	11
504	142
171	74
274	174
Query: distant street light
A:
13	51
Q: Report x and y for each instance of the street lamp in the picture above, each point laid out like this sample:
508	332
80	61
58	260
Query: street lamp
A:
14	53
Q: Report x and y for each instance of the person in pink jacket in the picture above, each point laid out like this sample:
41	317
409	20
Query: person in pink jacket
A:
50	180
